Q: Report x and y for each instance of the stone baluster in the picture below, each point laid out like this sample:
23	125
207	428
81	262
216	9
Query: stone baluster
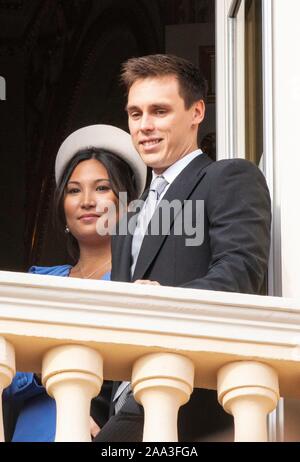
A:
7	372
162	382
249	391
72	375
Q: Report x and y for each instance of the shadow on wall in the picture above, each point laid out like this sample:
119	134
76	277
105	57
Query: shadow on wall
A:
208	145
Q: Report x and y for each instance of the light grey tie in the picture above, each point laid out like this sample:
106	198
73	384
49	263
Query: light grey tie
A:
121	395
157	187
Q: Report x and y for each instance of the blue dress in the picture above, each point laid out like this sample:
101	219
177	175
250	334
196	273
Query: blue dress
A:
37	418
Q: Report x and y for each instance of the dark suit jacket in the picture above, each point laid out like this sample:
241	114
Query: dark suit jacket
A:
232	257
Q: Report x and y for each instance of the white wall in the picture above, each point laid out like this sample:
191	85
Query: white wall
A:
286	86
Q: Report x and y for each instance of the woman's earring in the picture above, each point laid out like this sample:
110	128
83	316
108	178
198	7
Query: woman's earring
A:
67	230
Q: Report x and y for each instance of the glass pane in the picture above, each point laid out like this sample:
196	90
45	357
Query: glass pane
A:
253	81
189	27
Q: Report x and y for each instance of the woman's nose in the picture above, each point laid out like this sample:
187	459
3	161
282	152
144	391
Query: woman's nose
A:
88	200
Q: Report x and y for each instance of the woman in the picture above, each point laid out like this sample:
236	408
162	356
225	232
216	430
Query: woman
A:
93	166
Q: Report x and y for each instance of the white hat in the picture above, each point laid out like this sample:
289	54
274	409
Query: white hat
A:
106	137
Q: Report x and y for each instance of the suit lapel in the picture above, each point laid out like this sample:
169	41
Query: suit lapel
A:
179	190
112	402
121	270
121	249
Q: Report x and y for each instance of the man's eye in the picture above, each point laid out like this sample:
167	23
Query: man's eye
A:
134	115
160	111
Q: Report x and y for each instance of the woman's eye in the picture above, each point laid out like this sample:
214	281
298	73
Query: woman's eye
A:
103	188
73	191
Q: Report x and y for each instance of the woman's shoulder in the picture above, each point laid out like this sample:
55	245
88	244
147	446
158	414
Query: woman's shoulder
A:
106	276
60	270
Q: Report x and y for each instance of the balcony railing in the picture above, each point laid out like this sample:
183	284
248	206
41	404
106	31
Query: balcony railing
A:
165	340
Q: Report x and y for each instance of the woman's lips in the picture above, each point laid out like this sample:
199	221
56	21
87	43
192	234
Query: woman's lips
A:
88	218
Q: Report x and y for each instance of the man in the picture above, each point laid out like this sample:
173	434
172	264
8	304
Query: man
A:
166	105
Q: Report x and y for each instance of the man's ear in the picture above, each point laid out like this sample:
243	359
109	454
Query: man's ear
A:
198	112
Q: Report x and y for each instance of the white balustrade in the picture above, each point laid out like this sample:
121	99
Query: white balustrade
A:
168	339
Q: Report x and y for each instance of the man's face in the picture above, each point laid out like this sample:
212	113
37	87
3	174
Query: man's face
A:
162	129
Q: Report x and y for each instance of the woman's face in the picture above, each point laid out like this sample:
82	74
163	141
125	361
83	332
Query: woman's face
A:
88	195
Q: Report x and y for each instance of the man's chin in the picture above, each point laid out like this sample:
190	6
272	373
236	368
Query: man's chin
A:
151	160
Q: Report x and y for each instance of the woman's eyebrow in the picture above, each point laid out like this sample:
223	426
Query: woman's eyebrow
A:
95	181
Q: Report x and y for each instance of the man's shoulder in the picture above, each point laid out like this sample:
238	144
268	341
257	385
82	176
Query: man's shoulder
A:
233	163
206	164
233	166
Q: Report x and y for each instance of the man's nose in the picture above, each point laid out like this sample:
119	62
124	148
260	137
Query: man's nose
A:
146	123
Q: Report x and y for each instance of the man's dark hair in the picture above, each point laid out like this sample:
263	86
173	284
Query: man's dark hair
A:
192	84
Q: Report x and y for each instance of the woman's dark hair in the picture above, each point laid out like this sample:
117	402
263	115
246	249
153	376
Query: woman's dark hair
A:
121	178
